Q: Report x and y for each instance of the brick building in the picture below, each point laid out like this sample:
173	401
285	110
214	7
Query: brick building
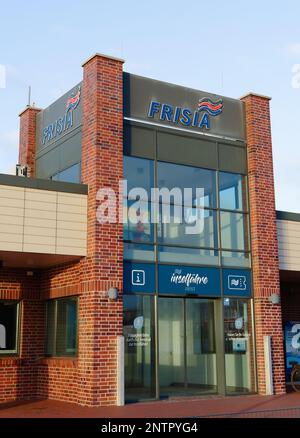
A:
97	312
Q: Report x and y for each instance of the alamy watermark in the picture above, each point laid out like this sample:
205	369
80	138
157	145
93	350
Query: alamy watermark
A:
137	207
2	76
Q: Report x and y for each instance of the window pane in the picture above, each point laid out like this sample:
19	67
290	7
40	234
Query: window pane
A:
233	191
66	328
139	173
238	346
238	259
175	175
133	251
8	327
71	174
138	227
193	256
61	327
205	234
234	230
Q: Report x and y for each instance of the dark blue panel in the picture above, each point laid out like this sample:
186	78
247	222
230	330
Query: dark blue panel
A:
237	282
139	277
183	280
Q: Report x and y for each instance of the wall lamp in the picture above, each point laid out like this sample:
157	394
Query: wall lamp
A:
274	299
112	293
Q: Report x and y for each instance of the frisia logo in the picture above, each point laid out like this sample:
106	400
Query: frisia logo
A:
73	100
199	118
62	124
212	108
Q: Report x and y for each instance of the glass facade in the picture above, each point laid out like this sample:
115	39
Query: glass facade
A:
223	239
180	343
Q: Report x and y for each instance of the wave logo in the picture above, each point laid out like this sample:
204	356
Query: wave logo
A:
211	107
237	282
73	100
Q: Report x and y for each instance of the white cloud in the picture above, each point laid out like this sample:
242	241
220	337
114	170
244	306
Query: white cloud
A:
293	49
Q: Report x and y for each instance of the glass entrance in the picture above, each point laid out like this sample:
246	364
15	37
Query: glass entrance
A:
187	351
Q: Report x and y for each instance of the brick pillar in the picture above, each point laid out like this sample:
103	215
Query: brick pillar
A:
102	166
27	143
264	237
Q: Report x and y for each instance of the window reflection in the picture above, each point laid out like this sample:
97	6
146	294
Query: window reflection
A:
205	234
139	173
232	191
175	175
234	230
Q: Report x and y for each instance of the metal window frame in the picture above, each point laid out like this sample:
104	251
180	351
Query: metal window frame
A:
56	301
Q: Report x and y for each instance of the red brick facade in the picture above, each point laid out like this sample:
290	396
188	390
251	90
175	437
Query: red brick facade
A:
102	166
27	138
264	238
91	378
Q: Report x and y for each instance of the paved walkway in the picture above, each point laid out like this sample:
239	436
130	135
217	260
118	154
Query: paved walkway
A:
287	405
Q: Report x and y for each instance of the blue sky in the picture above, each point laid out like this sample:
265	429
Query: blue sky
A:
223	47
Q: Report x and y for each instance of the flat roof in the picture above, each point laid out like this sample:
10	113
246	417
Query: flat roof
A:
43	184
287	216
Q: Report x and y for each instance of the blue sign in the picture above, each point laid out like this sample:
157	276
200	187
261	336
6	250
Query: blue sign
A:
198	117
237	282
139	277
62	124
292	346
189	280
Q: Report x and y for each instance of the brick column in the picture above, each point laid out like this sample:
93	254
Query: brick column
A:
27	145
102	166
264	237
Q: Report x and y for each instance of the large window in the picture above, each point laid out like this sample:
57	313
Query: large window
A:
9	327
183	177
138	172
222	237
62	327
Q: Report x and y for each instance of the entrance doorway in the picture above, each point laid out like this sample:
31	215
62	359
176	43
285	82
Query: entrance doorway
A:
187	346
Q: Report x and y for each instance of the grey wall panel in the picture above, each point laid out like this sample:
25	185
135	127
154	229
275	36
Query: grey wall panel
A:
59	156
139	141
232	158
48	164
186	150
70	151
56	111
140	91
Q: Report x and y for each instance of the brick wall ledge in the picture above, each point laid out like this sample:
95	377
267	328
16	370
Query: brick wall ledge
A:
11	360
61	362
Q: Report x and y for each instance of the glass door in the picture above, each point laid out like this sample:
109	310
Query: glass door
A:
138	327
187	352
201	367
171	338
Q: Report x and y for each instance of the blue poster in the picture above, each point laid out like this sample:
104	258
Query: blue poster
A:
139	277
237	283
189	280
292	346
